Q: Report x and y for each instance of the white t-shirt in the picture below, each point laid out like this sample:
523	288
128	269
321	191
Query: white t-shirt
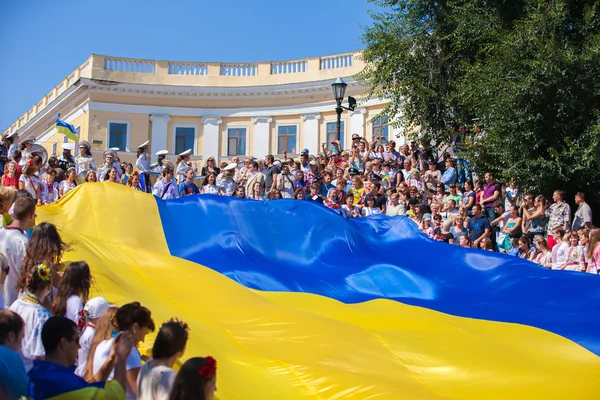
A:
35	316
559	254
101	355
66	187
31	184
75	309
12	244
85	341
366	211
155	383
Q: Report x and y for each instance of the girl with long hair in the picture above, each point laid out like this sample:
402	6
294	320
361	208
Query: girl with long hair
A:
210	166
93	311
45	246
10	177
544	256
105	327
240	192
128	172
73	293
84	162
30	182
593	252
68	184
91	177
157	376
136	320
209	185
256	192
112	175
134	182
525	249
36	281
196	380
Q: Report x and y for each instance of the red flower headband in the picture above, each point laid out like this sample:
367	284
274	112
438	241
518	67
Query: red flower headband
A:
30	162
209	368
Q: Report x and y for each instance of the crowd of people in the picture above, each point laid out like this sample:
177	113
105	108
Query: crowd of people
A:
55	340
434	188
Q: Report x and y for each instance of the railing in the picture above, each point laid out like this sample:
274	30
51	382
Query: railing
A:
337	62
101	67
238	69
187	69
124	65
288	67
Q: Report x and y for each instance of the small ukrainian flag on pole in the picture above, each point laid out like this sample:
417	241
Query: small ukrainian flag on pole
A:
66	129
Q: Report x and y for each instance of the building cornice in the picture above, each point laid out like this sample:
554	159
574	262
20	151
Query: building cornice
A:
195	92
223	112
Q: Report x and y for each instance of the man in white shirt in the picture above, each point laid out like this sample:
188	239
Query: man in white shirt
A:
13	242
559	250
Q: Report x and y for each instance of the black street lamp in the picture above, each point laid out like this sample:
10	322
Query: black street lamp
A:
339	90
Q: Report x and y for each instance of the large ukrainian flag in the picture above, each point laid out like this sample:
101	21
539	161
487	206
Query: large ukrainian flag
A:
296	303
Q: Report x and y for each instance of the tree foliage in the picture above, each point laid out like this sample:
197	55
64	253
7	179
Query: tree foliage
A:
529	70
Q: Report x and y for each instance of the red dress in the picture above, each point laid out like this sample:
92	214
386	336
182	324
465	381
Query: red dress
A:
8	181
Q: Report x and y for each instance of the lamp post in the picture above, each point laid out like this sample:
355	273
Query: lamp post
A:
339	90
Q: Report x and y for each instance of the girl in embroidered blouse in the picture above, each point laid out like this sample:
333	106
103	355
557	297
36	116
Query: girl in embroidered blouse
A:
30	182
73	293
574	256
593	252
36	283
68	184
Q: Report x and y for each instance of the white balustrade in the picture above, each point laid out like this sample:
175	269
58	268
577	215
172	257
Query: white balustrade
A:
115	64
187	69
238	69
289	67
336	62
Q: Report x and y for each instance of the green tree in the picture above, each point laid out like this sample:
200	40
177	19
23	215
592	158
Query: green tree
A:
528	70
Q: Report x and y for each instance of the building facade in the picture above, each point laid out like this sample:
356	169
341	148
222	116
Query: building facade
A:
215	109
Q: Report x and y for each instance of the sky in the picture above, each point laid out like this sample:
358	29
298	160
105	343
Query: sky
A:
43	41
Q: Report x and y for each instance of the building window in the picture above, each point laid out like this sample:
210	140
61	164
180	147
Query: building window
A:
332	133
381	128
184	139
54	146
117	135
286	141
236	142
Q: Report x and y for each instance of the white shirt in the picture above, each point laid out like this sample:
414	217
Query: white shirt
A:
66	186
31	184
366	211
49	192
155	383
559	255
101	355
74	309
12	244
85	341
142	163
35	316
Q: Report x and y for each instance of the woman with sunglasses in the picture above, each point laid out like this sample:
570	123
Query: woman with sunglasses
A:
210	166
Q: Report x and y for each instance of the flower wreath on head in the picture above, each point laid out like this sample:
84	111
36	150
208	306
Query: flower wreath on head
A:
114	323
208	369
43	272
30	162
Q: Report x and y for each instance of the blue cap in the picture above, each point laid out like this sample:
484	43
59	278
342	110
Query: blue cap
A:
305	151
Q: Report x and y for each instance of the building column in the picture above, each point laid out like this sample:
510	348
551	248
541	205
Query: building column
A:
261	138
158	137
210	144
310	133
357	123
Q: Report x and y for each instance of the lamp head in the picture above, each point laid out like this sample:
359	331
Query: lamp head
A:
339	89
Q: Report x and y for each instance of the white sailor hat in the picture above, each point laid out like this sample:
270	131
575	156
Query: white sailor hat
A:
68	146
186	153
162	153
95	307
13	133
230	167
30	139
115	148
146	143
108	152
